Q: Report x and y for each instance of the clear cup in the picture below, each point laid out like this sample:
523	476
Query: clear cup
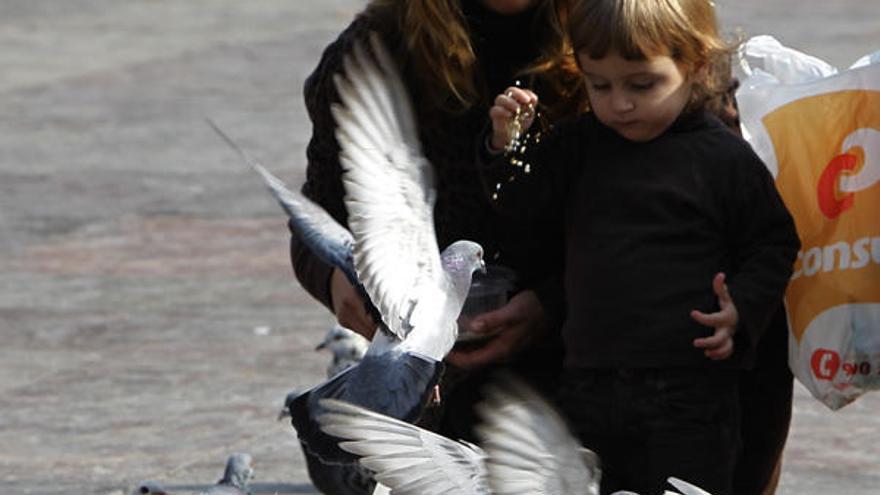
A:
489	291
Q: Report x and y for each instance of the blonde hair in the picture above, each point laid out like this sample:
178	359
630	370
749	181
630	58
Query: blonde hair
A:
439	53
685	30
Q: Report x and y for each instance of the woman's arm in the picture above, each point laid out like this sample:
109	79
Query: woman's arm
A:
324	186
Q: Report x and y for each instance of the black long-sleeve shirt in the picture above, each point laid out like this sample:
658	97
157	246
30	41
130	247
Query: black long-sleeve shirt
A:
647	226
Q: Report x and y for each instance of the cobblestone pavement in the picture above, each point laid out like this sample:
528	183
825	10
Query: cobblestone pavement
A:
149	320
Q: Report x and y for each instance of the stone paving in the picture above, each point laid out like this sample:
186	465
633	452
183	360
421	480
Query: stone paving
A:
149	319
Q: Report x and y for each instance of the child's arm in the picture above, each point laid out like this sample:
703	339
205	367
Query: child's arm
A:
763	247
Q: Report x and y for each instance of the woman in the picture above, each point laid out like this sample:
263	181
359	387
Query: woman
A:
454	55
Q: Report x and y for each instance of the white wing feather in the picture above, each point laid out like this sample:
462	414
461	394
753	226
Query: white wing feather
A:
686	488
389	188
529	448
404	457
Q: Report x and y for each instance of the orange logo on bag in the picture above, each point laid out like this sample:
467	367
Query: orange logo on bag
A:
832	201
828	151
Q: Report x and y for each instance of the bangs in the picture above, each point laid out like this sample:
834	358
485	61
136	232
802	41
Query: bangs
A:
636	30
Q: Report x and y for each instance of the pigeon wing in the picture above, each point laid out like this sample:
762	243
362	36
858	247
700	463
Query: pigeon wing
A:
404	457
389	188
529	447
329	240
686	488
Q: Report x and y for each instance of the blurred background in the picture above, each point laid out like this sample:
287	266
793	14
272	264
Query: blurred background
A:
150	324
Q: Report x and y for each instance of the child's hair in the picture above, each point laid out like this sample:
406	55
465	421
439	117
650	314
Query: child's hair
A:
685	30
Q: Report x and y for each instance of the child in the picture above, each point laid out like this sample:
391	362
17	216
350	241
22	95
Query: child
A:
678	247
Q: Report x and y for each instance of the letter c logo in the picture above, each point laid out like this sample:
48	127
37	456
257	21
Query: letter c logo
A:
825	364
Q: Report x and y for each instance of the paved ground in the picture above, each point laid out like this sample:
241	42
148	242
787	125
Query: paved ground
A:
149	320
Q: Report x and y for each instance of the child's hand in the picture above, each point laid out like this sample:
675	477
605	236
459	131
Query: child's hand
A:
512	113
720	344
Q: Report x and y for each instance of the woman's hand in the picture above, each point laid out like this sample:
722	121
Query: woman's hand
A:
511	115
720	344
511	328
350	308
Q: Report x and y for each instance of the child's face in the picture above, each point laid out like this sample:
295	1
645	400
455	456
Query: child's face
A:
637	98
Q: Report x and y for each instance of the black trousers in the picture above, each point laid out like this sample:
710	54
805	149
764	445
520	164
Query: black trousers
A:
648	425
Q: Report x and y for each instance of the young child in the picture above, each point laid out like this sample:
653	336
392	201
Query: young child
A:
678	246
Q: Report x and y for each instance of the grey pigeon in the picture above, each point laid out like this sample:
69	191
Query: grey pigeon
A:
236	477
149	488
525	448
418	291
348	348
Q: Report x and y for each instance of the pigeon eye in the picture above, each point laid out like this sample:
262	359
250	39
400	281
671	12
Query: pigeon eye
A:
144	489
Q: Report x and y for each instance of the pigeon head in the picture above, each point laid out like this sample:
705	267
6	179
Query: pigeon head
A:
463	257
238	471
148	488
460	260
344	343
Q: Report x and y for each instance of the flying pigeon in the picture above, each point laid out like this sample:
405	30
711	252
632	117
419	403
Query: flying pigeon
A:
235	478
391	252
525	448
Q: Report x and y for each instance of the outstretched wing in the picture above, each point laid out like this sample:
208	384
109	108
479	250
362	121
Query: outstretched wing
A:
529	447
330	241
404	457
389	187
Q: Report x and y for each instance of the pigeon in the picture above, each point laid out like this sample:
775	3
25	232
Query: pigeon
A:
390	254
149	488
526	447
235	478
348	348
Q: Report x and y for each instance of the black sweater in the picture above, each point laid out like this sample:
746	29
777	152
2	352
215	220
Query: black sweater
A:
647	226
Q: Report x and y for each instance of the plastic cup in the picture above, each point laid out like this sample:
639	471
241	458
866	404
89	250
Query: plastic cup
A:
489	291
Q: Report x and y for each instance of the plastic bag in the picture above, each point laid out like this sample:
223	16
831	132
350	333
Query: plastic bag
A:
818	131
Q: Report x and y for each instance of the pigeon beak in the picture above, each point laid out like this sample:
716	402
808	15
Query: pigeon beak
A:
322	345
482	268
284	413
